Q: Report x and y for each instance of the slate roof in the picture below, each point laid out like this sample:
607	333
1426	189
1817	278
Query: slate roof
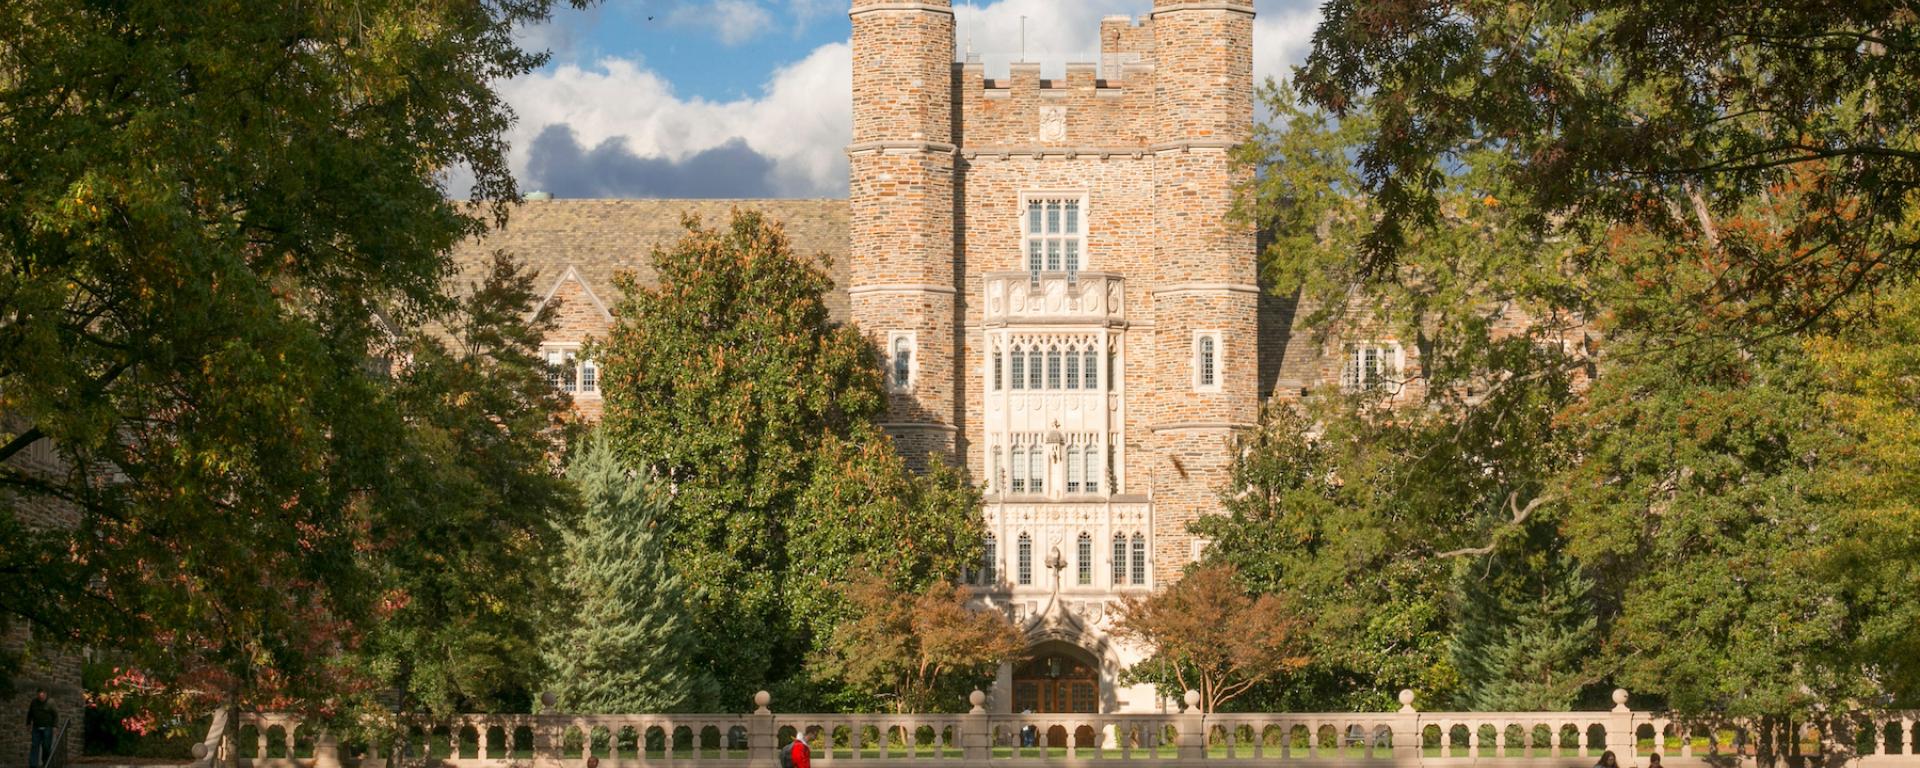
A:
600	238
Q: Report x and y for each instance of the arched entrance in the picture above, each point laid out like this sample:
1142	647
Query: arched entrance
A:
1057	678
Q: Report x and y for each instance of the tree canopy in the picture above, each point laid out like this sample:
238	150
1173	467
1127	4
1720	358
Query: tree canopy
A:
219	219
731	384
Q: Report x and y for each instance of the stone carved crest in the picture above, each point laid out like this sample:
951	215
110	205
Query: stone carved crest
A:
1053	123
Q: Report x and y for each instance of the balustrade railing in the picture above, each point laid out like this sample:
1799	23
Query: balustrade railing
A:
1313	740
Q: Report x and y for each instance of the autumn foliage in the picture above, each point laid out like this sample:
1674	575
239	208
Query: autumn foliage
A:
1209	635
924	648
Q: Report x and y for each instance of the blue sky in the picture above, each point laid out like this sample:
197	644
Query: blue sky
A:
750	98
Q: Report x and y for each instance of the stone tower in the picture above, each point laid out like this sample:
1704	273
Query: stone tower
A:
1064	306
902	249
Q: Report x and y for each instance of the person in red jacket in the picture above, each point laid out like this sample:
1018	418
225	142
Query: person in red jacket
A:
797	754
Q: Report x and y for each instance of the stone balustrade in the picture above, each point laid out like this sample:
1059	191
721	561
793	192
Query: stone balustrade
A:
1170	740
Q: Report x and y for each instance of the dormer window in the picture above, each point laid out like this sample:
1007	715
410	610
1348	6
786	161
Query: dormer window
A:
568	372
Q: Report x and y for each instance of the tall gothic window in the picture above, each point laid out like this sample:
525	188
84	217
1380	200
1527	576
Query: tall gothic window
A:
1091	380
1073	368
1205	362
999	362
1033	368
995	483
1019	469
1083	559
1019	369
1073	469
1024	562
1053	368
1037	468
1053	235
1139	559
1119	560
990	561
902	362
1092	461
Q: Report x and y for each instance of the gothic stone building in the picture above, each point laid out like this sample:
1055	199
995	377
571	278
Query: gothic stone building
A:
1064	306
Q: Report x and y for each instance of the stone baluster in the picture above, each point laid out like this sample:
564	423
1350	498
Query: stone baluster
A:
260	741
481	742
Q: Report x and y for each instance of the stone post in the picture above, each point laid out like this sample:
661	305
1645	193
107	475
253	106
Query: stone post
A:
1620	737
976	732
763	735
326	749
548	733
1407	737
1191	727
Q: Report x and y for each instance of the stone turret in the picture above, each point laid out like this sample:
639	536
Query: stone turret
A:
1205	299
903	287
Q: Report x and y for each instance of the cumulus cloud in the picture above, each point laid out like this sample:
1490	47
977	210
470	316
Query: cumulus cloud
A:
732	22
560	164
800	122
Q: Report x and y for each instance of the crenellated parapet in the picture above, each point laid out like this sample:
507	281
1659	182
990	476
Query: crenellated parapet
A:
1104	106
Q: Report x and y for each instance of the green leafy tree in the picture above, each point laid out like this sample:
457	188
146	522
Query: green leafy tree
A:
730	384
209	205
1665	115
472	505
625	644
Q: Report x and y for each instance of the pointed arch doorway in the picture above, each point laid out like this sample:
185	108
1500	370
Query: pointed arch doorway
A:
1057	678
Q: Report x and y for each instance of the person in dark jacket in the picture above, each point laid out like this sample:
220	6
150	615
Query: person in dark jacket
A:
41	718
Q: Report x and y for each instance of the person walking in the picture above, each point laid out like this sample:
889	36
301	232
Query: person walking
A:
1607	760
797	754
41	719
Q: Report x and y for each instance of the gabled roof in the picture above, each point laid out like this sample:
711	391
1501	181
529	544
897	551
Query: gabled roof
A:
597	239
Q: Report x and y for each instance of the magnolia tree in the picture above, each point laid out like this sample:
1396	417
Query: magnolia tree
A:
1209	635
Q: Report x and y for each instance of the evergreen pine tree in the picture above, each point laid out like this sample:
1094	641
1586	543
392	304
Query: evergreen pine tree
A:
625	646
1526	624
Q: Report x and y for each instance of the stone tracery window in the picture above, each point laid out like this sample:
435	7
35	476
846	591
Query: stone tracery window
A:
1073	368
990	561
1019	368
1024	560
1019	469
1073	469
1091	459
1083	559
1119	559
1139	559
1091	362
1033	367
1053	368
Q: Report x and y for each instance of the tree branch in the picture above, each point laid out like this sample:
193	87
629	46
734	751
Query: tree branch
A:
1520	515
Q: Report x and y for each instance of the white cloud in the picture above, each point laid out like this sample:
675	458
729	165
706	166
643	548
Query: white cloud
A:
732	22
801	120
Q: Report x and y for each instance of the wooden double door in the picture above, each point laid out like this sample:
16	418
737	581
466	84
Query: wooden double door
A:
1057	684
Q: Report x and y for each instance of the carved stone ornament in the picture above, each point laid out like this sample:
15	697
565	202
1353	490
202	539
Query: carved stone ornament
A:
1053	124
